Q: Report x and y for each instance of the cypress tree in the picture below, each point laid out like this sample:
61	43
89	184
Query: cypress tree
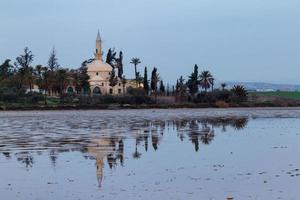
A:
146	83
162	87
154	80
193	82
113	80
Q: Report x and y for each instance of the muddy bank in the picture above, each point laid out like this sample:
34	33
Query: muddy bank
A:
252	104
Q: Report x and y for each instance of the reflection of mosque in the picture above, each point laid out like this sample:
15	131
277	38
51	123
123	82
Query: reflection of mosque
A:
108	148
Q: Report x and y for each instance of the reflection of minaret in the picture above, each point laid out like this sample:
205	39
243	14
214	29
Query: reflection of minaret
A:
99	149
102	149
100	166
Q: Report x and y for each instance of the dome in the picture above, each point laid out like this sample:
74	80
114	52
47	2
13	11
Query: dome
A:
98	66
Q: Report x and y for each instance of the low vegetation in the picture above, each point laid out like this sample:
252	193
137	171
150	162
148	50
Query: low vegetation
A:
283	94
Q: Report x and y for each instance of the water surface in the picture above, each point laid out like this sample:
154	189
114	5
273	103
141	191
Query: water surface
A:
150	154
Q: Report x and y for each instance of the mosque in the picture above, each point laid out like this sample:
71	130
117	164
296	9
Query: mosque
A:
100	72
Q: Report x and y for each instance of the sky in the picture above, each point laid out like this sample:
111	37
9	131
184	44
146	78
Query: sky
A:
237	40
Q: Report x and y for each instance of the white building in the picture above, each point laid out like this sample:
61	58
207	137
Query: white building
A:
100	72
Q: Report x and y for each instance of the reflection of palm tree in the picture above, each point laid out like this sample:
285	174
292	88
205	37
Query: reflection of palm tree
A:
136	154
26	158
195	140
194	134
121	152
207	136
7	155
110	160
146	142
240	123
53	158
154	138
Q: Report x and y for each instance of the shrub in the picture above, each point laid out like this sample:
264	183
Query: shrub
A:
34	97
222	104
11	95
136	91
240	94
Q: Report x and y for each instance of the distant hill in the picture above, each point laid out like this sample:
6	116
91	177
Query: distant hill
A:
260	86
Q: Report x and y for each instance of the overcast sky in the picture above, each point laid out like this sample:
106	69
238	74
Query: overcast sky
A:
239	40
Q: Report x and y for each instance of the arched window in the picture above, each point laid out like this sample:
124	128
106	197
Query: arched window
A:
96	90
97	73
70	90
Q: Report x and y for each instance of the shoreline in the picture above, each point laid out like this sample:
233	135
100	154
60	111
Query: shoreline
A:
138	107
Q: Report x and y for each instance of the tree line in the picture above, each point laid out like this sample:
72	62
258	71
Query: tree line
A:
18	78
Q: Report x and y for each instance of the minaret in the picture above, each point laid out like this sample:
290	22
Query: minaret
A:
98	54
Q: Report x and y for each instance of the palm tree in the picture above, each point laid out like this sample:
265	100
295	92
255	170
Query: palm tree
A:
135	62
206	80
223	85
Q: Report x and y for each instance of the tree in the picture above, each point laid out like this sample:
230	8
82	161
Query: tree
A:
154	80
84	79
180	90
76	80
6	70
62	79
38	76
193	82
223	86
24	62
135	62
53	61
45	82
162	87
113	80
119	63
84	63
146	83
206	80
212	83
111	57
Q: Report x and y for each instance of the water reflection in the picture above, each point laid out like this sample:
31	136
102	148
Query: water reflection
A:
105	143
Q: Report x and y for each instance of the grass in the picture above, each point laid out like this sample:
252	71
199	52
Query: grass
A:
288	95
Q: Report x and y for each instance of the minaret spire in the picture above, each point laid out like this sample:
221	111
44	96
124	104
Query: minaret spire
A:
98	36
98	54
